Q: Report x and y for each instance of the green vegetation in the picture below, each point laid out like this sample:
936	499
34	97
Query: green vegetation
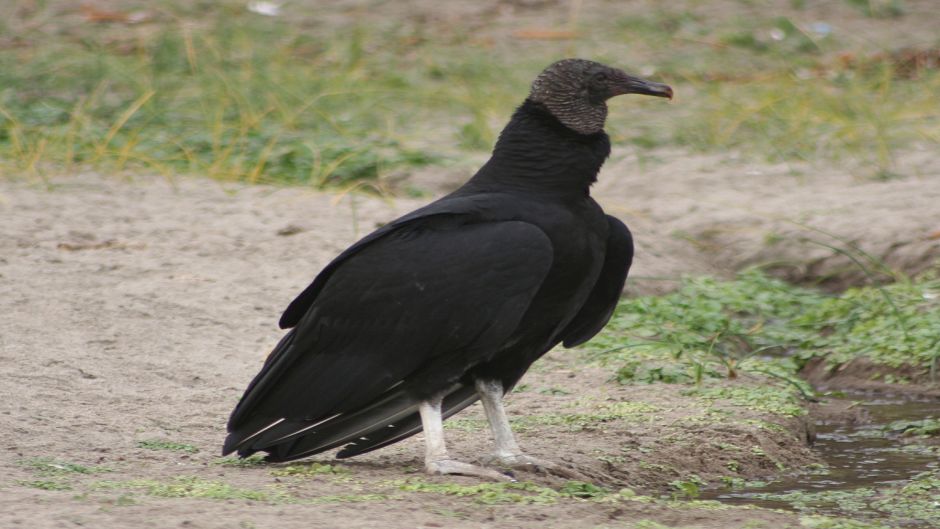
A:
242	462
914	502
924	427
55	474
688	488
54	467
756	324
195	487
213	89
308	470
521	492
46	484
767	399
163	444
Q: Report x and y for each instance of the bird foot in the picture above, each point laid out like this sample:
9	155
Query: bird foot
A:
451	466
533	464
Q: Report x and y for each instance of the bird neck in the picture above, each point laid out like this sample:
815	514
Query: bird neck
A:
537	152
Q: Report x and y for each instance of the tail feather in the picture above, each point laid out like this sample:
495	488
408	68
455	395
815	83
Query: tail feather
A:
457	400
387	420
343	428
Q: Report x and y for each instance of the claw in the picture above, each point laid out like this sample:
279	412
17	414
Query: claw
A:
451	466
533	464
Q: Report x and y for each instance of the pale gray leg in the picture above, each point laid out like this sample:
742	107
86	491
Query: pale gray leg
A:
491	395
436	460
507	452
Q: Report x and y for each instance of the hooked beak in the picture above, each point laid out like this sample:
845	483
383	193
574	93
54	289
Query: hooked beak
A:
628	84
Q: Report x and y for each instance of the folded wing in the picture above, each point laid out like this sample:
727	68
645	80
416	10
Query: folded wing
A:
403	316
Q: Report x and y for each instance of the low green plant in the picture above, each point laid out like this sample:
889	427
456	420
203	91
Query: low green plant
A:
755	324
46	484
522	492
309	469
923	427
242	462
196	487
163	444
688	488
54	467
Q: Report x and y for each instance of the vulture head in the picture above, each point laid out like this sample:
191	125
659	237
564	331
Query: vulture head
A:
576	92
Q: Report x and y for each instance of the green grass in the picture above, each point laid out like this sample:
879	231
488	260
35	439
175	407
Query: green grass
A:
768	399
211	89
55	474
242	462
163	444
46	484
756	324
54	467
308	470
196	487
923	428
521	492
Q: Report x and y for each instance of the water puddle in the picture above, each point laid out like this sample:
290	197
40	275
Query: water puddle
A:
860	460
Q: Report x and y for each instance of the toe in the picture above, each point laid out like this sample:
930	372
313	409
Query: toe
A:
451	466
534	464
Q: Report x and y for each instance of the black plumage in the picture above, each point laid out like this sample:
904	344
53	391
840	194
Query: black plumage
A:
470	289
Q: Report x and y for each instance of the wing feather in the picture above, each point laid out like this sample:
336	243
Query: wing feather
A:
600	305
433	297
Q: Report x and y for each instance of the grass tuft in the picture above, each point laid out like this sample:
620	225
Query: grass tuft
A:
163	444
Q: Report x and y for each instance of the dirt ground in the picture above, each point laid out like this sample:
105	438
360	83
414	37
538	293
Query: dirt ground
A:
138	310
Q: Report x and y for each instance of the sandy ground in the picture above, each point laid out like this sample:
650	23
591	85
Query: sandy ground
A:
138	310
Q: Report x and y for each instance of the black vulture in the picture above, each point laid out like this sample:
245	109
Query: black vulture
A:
454	301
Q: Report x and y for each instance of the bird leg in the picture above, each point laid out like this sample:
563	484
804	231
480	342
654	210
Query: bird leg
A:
436	460
507	452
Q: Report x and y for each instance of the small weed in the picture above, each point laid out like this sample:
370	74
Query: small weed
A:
924	427
554	392
767	399
465	424
489	493
241	462
309	469
517	493
46	484
580	489
161	444
54	467
688	488
195	487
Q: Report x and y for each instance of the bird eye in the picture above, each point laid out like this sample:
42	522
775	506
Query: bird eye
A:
600	76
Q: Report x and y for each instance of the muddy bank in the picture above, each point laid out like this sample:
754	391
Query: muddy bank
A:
863	375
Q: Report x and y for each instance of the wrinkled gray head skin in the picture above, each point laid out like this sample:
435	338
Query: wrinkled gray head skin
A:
576	92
